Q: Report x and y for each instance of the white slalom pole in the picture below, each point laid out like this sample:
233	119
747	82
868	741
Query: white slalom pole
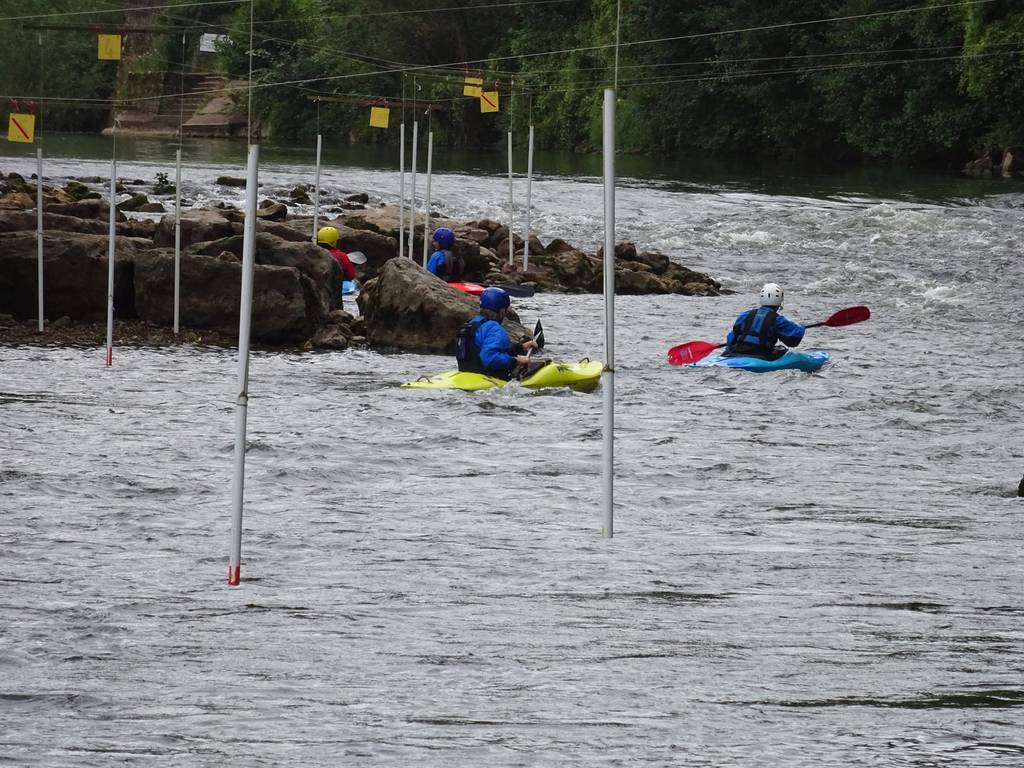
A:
608	385
412	202
39	230
529	191
401	190
426	212
177	240
244	329
316	188
511	240
110	262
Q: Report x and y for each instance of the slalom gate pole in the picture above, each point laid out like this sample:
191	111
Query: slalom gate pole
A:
529	193
426	212
511	208
110	261
412	201
316	189
244	331
39	232
401	190
177	240
608	384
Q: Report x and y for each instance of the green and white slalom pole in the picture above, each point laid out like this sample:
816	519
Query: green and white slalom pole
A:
608	385
244	330
39	232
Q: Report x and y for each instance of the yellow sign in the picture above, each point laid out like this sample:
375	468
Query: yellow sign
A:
471	86
489	101
379	117
21	127
109	47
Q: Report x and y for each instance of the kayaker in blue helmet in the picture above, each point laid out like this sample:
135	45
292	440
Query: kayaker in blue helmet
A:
756	331
483	346
443	262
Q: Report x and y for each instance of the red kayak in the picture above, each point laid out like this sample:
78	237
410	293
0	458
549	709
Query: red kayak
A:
473	289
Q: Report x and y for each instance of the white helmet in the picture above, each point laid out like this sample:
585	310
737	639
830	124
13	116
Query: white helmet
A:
771	295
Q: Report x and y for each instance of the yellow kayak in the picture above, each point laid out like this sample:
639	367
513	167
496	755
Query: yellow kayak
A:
583	376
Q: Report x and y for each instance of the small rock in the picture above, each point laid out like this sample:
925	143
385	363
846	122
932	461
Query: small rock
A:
230	181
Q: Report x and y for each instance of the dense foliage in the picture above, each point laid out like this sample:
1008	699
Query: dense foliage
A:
920	81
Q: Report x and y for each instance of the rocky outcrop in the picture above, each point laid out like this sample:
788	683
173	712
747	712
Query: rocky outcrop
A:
197	226
312	261
210	297
74	274
296	299
409	309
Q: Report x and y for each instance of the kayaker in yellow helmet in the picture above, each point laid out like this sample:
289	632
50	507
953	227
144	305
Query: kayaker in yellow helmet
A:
327	238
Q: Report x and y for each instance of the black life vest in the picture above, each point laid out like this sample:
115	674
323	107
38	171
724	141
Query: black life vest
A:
756	335
467	355
453	268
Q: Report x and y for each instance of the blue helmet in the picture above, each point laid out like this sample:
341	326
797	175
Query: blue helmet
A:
494	299
444	237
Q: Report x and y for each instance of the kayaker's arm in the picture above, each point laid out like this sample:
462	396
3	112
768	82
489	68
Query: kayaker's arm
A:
789	333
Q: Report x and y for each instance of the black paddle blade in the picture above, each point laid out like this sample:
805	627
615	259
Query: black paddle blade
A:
538	335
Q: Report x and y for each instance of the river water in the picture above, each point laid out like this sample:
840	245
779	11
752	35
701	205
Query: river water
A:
808	570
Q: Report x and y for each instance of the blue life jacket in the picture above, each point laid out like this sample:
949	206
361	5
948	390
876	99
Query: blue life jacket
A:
467	354
756	334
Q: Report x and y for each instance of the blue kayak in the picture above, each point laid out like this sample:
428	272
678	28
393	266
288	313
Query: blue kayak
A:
797	361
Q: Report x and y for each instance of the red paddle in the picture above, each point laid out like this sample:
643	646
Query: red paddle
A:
692	351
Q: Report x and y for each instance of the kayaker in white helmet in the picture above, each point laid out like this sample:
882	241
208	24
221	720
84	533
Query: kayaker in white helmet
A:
756	331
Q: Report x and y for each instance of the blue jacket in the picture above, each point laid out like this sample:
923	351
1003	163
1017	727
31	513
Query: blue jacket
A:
756	332
496	348
445	265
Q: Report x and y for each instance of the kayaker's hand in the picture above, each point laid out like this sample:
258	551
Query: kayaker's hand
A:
528	345
522	360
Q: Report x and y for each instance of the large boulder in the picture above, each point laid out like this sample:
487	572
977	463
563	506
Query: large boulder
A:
377	247
197	226
408	309
85	209
310	260
20	221
285	305
74	275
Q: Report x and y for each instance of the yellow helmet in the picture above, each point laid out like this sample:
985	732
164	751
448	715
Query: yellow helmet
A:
327	235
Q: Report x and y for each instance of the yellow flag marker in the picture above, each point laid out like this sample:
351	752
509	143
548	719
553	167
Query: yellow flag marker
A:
471	86
379	117
21	127
488	101
109	47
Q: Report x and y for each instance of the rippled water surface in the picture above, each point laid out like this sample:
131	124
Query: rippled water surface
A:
808	570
